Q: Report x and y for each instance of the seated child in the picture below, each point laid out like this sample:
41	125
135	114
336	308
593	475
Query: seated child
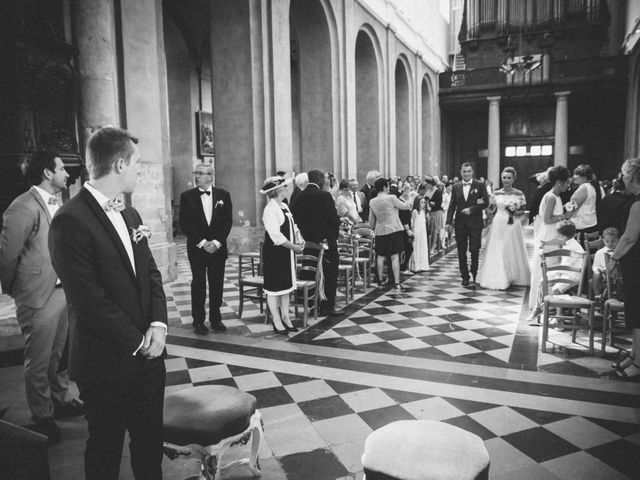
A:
610	236
564	240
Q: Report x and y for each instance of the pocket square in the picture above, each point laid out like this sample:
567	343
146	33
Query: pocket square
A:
480	201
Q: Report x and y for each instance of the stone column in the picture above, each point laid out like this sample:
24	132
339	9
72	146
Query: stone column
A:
147	117
493	166
561	141
93	30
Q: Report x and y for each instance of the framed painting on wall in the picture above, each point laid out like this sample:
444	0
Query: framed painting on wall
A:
204	124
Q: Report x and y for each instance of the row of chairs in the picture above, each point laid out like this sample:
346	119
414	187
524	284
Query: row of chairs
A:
572	271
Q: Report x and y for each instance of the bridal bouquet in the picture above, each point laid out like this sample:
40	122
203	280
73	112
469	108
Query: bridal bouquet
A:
513	206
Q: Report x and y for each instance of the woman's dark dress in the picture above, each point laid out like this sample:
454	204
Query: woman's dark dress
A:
630	266
277	260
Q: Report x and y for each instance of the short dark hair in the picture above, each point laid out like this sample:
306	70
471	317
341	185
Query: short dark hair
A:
107	145
559	173
316	176
380	184
33	168
344	184
466	164
611	231
567	229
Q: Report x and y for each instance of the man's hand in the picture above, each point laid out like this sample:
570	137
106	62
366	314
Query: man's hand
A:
154	340
210	247
409	233
466	211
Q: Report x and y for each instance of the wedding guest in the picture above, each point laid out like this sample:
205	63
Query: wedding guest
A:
543	187
613	210
436	214
585	199
26	273
420	258
610	237
206	218
359	199
282	241
385	221
551	212
565	232
627	257
302	180
345	205
369	190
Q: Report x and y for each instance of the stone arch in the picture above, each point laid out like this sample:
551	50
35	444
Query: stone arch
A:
429	163
369	85
403	131
314	85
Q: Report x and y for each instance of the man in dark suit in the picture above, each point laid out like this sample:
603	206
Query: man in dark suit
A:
360	200
317	218
206	219
28	276
369	191
301	180
468	199
100	251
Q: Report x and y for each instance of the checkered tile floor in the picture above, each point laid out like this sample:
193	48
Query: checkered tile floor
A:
315	428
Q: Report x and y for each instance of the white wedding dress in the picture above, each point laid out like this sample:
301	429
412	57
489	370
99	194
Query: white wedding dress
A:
505	261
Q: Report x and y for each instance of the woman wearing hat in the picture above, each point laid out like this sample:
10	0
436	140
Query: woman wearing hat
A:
282	241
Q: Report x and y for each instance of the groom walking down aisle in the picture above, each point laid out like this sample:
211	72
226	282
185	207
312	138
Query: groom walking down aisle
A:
468	199
100	251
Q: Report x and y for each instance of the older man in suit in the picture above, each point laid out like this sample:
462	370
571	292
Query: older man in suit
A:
206	219
28	276
100	250
317	218
468	199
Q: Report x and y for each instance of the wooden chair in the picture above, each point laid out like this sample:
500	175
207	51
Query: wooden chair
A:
591	242
252	259
347	268
308	282
251	287
612	303
364	259
557	270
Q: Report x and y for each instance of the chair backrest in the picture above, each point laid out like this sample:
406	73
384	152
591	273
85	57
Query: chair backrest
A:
364	247
309	265
614	280
241	264
563	267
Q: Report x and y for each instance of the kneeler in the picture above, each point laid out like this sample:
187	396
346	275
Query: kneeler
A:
206	421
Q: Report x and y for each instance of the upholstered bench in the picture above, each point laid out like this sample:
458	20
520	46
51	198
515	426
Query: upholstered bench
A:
205	421
424	450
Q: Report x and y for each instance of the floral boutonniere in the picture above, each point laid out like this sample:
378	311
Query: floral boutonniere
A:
219	203
139	233
475	190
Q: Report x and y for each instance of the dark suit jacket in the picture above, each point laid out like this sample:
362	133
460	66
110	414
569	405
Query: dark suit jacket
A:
26	272
294	198
194	223
316	215
477	201
369	193
113	306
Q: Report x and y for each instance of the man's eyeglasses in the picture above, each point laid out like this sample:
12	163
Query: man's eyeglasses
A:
201	173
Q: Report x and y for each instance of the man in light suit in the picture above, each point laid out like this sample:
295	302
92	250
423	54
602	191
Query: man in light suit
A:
359	198
468	199
100	250
28	276
206	219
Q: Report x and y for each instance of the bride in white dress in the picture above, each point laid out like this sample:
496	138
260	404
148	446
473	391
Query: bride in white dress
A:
505	261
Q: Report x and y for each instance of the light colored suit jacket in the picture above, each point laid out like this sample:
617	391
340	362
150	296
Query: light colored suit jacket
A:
26	272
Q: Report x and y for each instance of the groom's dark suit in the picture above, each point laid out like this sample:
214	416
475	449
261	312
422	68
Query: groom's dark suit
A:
113	307
206	265
468	227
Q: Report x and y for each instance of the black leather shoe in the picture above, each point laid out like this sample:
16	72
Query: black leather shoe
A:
72	409
218	327
48	427
200	328
465	282
291	328
331	312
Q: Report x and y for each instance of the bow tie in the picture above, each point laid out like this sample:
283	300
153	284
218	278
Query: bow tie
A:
114	205
466	184
205	192
52	201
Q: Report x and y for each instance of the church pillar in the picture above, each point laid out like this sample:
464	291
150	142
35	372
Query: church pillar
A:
146	115
561	142
493	167
93	31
